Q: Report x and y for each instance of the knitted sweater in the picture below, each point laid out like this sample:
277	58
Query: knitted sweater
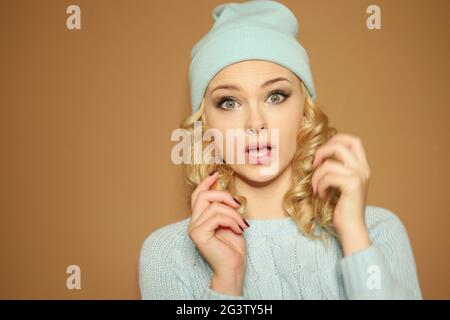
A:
282	263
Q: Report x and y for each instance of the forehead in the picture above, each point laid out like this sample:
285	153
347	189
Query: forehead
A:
251	71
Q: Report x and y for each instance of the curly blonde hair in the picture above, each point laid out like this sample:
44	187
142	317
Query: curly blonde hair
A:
309	212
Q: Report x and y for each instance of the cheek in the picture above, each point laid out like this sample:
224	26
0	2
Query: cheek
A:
220	140
288	144
218	127
288	137
222	143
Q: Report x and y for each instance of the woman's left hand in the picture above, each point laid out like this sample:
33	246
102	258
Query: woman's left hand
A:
350	173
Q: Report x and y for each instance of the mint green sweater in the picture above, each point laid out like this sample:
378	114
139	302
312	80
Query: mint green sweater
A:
284	264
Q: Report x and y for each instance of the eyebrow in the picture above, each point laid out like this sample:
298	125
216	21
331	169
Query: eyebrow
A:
233	87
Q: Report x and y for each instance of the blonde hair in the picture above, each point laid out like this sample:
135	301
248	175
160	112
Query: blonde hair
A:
309	212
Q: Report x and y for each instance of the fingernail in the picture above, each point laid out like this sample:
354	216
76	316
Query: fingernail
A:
242	229
246	222
213	172
236	200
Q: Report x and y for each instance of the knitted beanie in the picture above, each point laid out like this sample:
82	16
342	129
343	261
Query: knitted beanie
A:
250	30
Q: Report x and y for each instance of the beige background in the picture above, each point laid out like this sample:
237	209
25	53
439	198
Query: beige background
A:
86	117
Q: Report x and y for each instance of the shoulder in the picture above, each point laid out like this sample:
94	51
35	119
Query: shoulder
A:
162	260
382	221
168	239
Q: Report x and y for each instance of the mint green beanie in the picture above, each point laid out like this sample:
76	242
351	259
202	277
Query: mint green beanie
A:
250	30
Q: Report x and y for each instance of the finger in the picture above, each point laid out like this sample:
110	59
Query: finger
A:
204	185
206	198
329	166
345	182
354	144
219	208
209	226
336	150
330	179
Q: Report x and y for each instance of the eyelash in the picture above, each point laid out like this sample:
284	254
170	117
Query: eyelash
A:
226	98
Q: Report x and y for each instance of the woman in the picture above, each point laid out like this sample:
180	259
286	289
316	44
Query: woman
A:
301	231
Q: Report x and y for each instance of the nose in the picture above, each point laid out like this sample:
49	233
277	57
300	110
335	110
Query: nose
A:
252	130
256	121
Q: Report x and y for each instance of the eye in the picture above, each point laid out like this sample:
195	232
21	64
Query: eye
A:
226	103
275	96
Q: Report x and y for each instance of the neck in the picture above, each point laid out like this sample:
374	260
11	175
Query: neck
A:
264	200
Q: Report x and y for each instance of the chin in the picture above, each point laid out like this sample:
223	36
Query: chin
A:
258	173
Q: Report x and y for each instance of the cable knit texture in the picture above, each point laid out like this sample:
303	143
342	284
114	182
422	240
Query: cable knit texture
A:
284	264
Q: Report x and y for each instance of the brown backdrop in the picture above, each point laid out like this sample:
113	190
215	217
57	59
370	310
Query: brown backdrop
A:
86	117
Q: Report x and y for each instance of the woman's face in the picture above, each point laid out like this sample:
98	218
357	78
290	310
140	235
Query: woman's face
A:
240	97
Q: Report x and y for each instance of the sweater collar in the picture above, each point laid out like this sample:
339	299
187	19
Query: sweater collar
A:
271	226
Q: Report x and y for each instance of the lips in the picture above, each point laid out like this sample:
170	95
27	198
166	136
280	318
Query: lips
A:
258	153
258	146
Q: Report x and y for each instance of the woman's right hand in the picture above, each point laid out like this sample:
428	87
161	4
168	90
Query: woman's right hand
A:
216	228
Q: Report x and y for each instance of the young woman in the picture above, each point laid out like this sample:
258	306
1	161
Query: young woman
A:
300	231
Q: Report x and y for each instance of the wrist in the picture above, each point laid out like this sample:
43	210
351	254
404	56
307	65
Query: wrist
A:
228	283
354	239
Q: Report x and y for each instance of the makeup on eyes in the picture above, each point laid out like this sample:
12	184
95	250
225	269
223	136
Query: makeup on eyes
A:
219	102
